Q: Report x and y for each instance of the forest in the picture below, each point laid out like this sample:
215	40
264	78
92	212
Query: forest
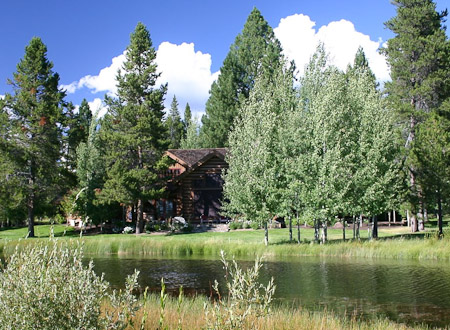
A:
321	147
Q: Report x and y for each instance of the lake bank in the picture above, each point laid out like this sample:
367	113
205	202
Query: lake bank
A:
394	243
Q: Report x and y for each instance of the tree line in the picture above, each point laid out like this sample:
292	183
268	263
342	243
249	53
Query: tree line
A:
331	143
54	159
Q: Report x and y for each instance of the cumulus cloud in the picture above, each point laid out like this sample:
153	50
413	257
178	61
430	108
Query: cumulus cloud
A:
299	39
105	81
97	105
187	72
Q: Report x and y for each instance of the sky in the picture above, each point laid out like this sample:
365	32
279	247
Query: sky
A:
86	40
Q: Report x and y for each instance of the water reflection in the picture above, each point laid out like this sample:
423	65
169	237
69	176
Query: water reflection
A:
404	291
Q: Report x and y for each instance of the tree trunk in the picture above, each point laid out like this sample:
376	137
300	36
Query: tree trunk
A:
316	230
343	229
266	234
375	227
389	218
30	201
298	230
408	220
325	231
30	219
439	202
354	227
394	216
420	224
412	216
290	229
140	217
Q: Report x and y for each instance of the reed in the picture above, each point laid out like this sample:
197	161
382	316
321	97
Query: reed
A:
190	315
249	243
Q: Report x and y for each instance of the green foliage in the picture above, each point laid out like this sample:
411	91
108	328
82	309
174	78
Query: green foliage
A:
256	181
254	49
192	139
47	286
90	173
233	225
174	125
247	297
133	132
420	71
32	138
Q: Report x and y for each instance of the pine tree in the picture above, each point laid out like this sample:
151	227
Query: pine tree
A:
420	71
174	125
431	151
90	174
187	118
133	130
254	49
35	111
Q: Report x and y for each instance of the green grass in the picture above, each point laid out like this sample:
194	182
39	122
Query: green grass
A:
394	242
40	231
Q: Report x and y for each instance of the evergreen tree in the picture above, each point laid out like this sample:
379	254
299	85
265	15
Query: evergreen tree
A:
420	71
76	131
187	118
174	125
90	174
36	113
255	48
431	151
133	131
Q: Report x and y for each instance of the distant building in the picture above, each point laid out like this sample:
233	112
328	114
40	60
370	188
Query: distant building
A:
196	185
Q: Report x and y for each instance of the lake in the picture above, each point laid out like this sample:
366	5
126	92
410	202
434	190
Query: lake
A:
402	290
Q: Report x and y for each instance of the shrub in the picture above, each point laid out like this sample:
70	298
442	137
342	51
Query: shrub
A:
254	225
247	297
188	228
246	225
48	287
235	225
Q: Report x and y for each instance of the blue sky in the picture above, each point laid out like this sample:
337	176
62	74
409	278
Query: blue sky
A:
86	39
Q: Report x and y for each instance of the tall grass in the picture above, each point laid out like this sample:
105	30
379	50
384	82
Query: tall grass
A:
250	244
192	316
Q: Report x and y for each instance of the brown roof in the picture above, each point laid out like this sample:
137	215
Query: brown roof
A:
190	157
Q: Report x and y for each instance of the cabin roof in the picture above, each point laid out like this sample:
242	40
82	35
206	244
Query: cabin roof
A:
192	157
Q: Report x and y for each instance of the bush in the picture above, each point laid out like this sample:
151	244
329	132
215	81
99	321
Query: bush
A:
188	228
246	225
235	225
254	225
247	297
48	287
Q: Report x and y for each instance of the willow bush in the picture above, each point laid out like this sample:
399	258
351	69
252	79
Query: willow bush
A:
46	286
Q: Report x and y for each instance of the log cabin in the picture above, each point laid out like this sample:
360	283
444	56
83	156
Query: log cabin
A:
195	187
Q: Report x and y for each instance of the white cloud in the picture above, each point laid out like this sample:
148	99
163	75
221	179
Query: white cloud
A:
98	105
2	97
188	73
299	39
105	81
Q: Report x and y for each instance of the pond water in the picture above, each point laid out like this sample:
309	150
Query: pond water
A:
404	291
